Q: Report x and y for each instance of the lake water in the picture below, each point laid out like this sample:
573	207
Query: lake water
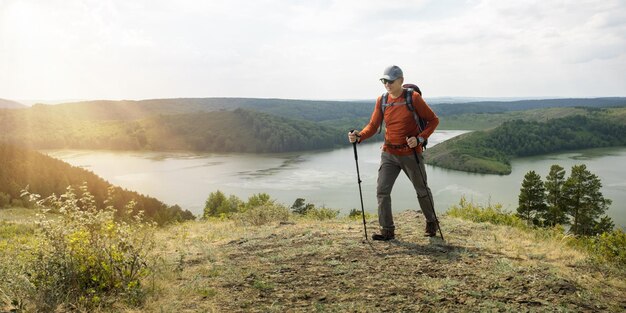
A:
329	177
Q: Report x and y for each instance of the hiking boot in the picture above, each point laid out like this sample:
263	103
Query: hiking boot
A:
431	229
385	235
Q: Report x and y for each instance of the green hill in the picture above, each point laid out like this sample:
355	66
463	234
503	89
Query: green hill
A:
446	109
240	130
224	124
133	110
313	110
480	121
490	151
45	175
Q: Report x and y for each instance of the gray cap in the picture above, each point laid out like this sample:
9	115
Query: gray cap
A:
392	73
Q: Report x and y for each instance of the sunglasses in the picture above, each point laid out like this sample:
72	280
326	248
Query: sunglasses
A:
386	81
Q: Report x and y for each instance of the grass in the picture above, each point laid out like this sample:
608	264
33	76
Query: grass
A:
324	265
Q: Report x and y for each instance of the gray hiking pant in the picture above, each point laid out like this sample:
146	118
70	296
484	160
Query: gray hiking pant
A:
390	166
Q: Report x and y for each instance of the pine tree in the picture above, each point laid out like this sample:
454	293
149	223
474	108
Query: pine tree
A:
298	206
555	213
584	202
532	199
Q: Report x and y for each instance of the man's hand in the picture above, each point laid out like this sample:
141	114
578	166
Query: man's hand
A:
353	135
412	142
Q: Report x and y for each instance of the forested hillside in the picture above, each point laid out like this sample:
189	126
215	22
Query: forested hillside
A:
480	121
45	175
133	110
490	151
221	131
445	109
241	125
299	109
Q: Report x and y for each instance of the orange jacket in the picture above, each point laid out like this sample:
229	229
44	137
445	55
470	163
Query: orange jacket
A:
400	123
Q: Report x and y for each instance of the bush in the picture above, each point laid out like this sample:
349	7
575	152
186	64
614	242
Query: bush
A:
611	246
86	259
260	209
357	215
607	247
322	213
492	213
5	200
263	214
16	290
18	203
217	205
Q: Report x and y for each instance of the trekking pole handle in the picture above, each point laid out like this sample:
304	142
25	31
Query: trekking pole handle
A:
356	157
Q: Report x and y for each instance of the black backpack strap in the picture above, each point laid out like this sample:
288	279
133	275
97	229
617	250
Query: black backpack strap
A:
409	105
383	106
421	124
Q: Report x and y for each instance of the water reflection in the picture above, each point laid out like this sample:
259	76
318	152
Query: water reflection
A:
287	164
329	177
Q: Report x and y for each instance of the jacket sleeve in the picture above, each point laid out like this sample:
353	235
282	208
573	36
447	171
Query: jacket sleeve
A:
425	112
375	121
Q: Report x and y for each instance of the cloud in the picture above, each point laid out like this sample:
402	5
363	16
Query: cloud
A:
308	49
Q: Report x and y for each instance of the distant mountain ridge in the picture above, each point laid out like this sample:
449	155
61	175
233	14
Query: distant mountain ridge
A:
137	109
520	105
313	110
241	130
247	125
10	104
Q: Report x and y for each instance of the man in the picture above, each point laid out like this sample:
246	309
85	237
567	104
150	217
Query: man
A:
402	136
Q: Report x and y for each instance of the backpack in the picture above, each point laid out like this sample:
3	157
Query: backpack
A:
408	101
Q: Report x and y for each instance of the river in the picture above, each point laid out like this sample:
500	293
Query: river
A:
329	177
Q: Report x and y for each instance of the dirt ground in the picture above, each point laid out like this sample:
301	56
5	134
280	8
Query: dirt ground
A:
313	266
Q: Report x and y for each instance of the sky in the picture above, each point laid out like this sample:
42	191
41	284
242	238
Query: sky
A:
302	49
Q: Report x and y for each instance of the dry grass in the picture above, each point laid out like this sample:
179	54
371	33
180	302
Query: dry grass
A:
326	266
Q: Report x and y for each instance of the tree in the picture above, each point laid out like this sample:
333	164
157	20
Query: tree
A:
299	207
605	225
584	202
555	213
217	204
259	199
532	199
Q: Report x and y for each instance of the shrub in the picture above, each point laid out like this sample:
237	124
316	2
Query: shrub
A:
86	259
607	247
258	199
16	241
322	213
217	205
260	209
357	215
5	200
263	214
18	203
611	246
491	213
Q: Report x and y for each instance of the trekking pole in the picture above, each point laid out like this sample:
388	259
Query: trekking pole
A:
358	177
432	204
